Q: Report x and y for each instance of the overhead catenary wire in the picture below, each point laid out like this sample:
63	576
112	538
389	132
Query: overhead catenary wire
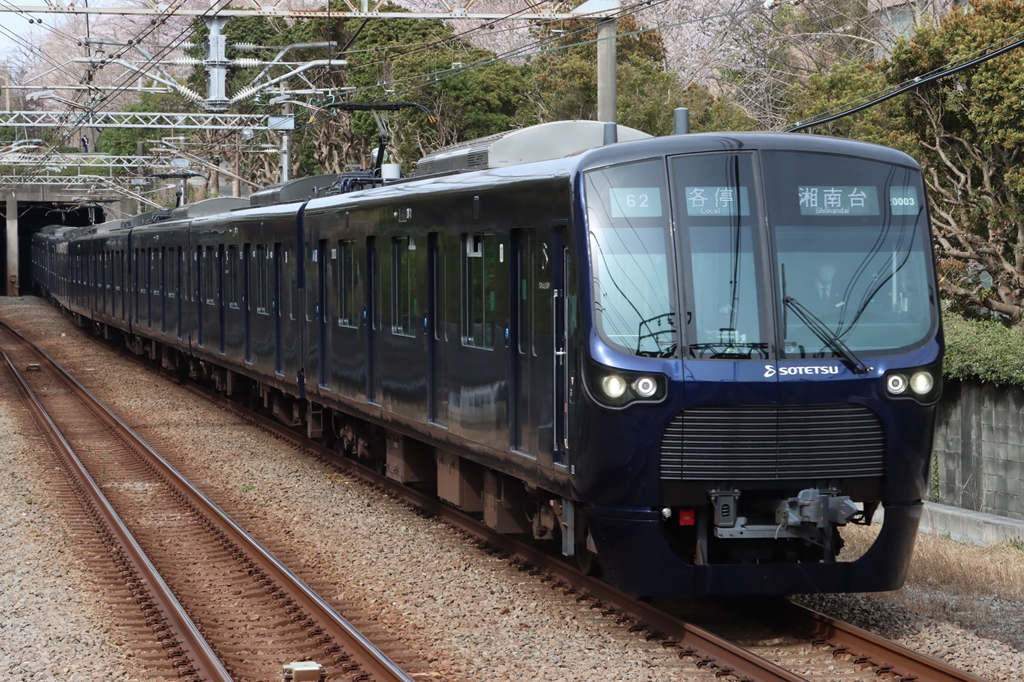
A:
916	82
58	138
544	48
536	47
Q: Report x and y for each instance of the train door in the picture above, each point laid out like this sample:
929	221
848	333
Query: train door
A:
150	259
163	288
122	279
560	345
371	318
275	304
103	282
178	295
437	331
246	319
520	337
321	308
220	294
199	295
136	285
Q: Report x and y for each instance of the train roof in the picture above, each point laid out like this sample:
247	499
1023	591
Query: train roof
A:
471	180
148	218
208	207
292	191
743	141
542	142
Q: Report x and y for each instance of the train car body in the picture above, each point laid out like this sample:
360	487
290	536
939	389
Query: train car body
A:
695	357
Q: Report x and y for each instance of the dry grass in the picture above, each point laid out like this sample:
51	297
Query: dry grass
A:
981	589
943	564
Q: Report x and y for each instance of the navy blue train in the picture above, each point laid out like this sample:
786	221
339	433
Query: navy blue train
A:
691	360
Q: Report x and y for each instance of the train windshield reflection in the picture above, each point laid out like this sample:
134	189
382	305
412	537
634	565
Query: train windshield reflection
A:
630	258
853	252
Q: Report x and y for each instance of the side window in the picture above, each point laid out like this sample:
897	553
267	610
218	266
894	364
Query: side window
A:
311	283
292	307
403	290
479	264
231	268
140	282
170	265
262	283
209	268
348	285
440	289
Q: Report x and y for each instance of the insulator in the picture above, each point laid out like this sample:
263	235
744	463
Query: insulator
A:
187	61
246	46
186	46
244	94
247	62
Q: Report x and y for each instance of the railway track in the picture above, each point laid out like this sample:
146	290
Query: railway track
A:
219	605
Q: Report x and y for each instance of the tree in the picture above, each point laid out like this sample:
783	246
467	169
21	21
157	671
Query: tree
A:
970	131
768	56
563	82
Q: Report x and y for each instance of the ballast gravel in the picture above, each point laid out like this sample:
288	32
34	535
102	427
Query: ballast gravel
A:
469	614
54	624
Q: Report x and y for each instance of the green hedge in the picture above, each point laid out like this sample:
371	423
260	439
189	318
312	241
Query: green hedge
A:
987	351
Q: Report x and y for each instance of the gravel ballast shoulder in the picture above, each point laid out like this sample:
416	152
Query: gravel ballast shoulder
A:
54	619
419	582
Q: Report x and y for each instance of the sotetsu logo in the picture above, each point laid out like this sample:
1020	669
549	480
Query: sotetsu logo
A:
770	370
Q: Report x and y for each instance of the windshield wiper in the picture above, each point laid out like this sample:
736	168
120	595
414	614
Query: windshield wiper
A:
666	325
829	337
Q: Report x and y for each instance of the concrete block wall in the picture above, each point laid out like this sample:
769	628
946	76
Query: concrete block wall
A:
979	444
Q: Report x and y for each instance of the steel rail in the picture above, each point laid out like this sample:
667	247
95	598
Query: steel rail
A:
714	651
885	656
363	651
194	646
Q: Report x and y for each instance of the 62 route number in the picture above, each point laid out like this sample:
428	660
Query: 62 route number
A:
637	200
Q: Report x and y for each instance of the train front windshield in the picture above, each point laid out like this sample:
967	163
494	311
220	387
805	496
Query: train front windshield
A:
846	249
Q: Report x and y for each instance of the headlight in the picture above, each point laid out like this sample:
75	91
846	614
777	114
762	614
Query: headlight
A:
645	387
617	387
921	383
613	385
896	383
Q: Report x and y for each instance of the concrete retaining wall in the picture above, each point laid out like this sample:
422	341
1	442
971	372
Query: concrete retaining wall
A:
979	444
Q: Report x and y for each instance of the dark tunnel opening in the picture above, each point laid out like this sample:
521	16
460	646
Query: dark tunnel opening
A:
33	216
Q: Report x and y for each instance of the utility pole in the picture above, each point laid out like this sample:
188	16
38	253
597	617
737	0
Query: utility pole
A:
7	89
607	78
286	147
236	185
604	12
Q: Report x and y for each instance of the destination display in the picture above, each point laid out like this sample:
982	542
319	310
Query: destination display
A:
636	202
720	201
838	200
903	200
